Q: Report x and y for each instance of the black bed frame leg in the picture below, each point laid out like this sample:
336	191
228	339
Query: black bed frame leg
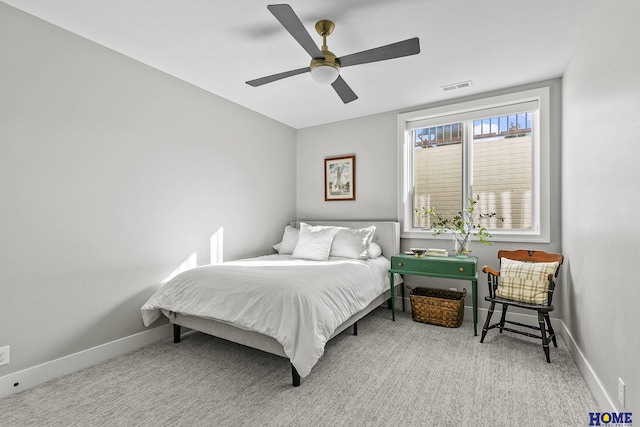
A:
176	333
355	328
295	376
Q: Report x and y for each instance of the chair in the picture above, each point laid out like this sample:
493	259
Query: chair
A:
526	280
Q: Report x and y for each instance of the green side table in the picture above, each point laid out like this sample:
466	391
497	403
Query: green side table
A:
432	266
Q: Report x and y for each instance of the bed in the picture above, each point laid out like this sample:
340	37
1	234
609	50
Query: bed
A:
289	303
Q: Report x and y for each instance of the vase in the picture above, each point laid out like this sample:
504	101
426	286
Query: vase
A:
461	245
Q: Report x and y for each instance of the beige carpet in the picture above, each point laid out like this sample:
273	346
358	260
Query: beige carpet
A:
399	373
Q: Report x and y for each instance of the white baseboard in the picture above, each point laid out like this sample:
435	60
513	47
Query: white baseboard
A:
526	319
605	403
603	399
36	375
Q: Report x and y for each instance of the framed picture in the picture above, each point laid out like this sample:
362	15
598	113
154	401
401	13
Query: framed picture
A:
340	178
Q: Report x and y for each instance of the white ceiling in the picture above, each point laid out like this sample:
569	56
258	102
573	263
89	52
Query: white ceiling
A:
219	45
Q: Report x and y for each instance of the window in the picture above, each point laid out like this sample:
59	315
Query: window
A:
495	148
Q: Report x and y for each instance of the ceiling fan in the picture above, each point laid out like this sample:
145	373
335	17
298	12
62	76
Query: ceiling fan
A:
325	66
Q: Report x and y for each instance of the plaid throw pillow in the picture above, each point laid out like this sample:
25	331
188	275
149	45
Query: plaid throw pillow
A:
525	281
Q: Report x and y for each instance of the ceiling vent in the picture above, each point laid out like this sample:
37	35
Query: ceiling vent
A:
455	86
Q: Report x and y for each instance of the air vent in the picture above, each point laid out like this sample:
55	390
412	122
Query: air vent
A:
455	86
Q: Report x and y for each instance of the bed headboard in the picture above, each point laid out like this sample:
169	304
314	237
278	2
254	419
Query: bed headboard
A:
387	233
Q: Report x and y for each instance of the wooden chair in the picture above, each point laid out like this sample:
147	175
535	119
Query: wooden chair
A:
528	281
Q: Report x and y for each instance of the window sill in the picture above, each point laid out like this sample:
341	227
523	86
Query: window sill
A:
514	237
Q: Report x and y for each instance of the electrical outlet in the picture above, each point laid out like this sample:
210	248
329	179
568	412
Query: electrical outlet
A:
621	391
453	289
4	355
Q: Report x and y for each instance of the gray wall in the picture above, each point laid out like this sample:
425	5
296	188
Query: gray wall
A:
595	183
601	197
374	141
111	175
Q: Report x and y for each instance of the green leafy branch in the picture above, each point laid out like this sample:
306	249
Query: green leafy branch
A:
463	225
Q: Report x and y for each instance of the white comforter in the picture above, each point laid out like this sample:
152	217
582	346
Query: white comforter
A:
299	303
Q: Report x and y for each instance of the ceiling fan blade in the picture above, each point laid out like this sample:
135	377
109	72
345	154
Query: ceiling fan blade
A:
275	77
344	91
382	53
290	21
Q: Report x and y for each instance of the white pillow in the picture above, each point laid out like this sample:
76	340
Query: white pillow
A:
352	242
289	241
314	242
374	250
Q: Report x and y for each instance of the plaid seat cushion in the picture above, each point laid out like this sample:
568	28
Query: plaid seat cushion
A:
525	281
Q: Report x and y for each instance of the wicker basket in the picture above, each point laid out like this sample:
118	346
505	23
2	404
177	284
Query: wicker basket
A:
437	306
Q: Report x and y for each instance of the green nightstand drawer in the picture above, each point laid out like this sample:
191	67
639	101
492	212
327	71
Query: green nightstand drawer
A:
436	266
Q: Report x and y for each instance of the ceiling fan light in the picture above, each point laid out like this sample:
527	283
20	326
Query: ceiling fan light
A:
324	74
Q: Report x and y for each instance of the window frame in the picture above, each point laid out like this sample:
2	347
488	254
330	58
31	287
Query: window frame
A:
541	164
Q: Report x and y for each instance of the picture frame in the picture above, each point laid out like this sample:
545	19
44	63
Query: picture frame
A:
340	178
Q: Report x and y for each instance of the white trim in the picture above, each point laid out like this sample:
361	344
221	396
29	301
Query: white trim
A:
541	159
37	375
605	402
526	319
40	374
466	112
